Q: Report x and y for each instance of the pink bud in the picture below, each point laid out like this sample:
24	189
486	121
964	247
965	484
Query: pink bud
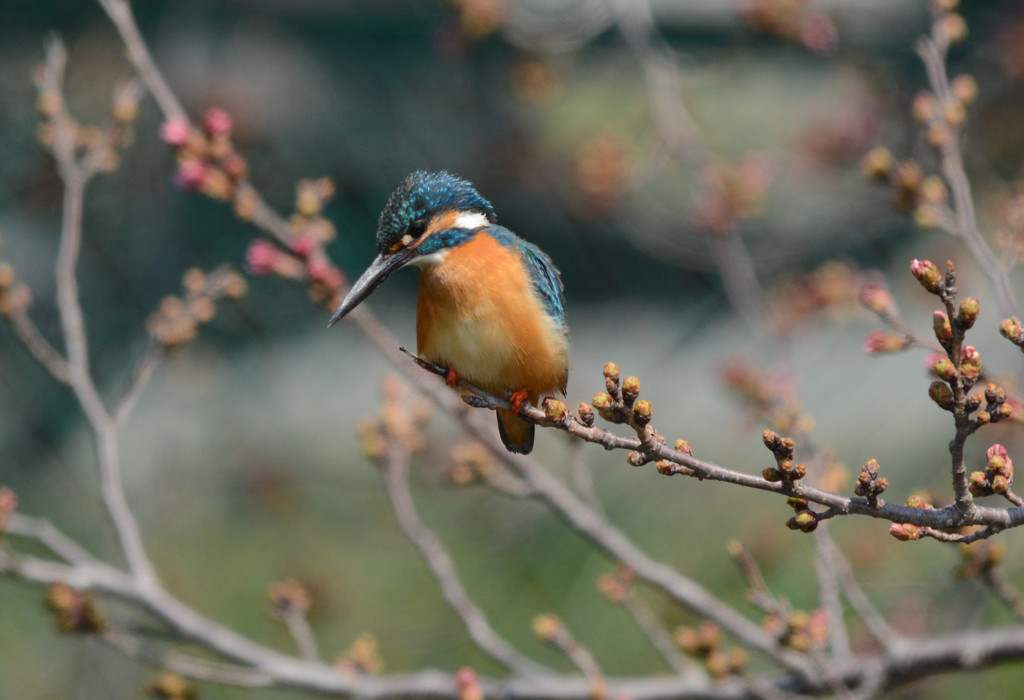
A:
217	122
927	274
465	678
303	244
876	297
174	132
261	257
996	450
191	174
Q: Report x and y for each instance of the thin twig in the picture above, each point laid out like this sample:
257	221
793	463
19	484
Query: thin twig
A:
191	666
141	374
43	531
300	631
883	633
120	13
39	346
932	51
828	592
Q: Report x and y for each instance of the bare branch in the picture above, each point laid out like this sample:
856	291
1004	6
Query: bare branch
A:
73	323
932	51
120	14
676	462
39	346
191	666
46	534
441	566
141	373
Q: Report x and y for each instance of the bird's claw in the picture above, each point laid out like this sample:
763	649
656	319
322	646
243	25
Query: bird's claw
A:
452	378
516	399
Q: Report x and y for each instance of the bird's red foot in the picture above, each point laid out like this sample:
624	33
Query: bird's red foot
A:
452	378
516	400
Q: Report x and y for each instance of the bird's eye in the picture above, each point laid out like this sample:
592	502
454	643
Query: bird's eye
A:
418	227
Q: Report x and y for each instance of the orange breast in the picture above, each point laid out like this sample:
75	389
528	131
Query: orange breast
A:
479	313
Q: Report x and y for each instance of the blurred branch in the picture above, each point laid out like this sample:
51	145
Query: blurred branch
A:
672	121
933	50
76	175
120	13
141	373
396	470
883	633
39	346
191	666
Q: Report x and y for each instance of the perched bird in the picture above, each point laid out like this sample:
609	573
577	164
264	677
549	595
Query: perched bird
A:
490	305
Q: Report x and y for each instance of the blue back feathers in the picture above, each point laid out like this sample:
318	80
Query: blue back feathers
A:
541	269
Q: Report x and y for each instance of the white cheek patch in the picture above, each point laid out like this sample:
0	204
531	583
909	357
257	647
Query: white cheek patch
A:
471	220
425	262
406	240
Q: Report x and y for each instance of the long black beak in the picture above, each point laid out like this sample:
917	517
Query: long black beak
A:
382	267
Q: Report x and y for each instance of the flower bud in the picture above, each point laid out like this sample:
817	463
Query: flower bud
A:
261	257
964	88
978	484
1011	329
924	106
876	298
927	274
943	368
637	459
175	132
642	411
603	403
217	122
555	410
880	342
941	326
631	385
585	413
954	26
969	310
684	446
1000	484
877	163
546	626
970	363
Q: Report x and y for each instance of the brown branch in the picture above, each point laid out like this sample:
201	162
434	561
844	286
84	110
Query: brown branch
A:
677	462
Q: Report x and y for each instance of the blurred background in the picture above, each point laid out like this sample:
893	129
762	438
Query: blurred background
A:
610	146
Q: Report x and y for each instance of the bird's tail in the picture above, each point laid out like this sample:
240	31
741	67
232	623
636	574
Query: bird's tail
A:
516	434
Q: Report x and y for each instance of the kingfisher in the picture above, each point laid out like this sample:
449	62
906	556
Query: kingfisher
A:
490	308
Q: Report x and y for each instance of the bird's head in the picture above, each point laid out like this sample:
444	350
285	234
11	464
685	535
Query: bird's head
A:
428	214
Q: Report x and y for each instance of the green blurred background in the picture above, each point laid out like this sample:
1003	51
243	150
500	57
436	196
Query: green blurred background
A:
242	460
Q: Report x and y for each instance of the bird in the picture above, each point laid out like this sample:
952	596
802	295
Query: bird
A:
491	306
